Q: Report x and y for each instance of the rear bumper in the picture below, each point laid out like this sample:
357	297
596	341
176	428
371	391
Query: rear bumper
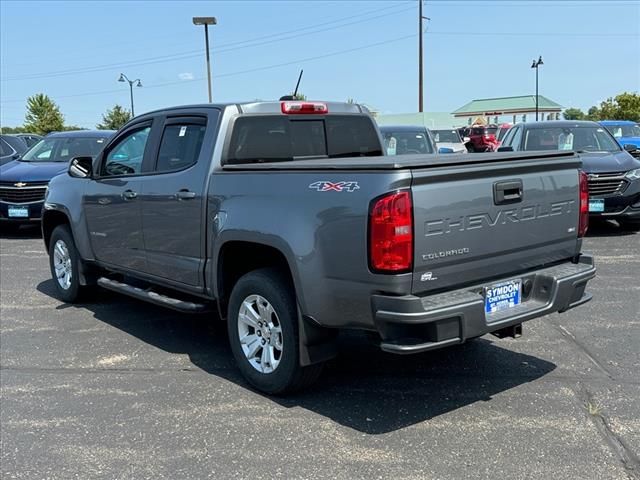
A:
411	324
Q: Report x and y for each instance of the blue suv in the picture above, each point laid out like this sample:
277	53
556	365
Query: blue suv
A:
625	132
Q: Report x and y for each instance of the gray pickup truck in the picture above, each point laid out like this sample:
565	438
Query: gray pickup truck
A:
286	220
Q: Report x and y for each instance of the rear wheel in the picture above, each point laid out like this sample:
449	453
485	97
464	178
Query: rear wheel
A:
263	332
65	265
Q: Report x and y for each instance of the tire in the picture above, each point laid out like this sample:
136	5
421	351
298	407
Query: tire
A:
630	226
269	292
64	259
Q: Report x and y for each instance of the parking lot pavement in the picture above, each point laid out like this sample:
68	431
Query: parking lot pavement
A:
120	389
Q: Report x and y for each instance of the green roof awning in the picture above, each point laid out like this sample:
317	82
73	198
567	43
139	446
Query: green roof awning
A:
507	105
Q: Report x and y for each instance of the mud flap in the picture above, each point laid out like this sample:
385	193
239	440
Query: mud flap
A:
317	344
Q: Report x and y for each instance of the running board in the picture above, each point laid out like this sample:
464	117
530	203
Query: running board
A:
150	296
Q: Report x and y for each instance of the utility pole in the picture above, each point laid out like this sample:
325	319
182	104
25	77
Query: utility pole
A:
420	65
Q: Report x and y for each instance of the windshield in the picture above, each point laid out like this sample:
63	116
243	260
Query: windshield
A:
502	132
63	149
406	142
620	131
578	138
446	136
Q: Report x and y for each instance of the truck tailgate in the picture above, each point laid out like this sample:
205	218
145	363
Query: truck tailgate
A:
484	221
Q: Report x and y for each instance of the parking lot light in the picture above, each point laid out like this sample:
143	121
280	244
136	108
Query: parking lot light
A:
137	82
536	64
206	21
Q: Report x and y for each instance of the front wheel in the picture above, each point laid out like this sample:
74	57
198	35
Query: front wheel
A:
263	333
65	264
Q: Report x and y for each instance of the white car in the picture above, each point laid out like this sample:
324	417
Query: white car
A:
449	138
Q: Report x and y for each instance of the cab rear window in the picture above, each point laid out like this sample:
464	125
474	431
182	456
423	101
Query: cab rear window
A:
277	138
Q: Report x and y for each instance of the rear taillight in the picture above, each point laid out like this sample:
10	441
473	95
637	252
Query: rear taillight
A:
391	233
304	107
583	222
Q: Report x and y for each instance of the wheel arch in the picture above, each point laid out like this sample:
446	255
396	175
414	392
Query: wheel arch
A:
238	257
50	220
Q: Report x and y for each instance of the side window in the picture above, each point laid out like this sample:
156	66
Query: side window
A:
180	146
125	158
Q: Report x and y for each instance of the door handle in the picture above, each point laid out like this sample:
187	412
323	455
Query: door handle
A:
509	191
185	195
129	195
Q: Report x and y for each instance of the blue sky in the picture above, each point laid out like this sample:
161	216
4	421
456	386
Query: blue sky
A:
74	51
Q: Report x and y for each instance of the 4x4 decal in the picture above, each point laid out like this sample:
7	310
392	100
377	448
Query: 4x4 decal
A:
325	186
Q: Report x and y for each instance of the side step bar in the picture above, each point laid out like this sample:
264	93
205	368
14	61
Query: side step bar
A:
154	297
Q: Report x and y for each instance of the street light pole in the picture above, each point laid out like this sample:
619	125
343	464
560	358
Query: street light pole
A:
206	21
535	65
124	78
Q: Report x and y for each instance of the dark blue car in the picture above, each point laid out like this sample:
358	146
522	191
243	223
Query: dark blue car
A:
24	181
614	175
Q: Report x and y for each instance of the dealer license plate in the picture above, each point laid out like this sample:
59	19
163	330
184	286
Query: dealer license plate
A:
502	296
18	212
596	204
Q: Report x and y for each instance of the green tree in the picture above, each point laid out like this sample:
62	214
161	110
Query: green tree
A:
625	106
114	118
12	130
574	114
43	115
593	114
300	96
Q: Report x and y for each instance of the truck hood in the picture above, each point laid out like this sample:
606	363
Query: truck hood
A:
603	162
17	171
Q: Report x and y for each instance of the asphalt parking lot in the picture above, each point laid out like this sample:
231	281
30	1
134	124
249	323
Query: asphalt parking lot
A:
116	388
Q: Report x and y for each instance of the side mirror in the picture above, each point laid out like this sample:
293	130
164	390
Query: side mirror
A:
466	140
445	150
505	149
81	167
630	147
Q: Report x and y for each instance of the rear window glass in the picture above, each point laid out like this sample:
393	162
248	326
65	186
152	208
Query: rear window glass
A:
269	138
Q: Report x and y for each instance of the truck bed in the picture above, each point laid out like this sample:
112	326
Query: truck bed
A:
404	162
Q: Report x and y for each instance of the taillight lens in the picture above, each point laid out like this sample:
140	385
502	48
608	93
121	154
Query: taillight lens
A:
583	223
391	233
304	107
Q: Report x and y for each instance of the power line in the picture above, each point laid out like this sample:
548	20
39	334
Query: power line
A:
222	48
532	34
242	72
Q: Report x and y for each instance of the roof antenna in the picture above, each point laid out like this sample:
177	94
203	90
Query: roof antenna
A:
295	92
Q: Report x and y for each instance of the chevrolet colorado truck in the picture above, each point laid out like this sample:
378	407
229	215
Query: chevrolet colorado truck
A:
286	220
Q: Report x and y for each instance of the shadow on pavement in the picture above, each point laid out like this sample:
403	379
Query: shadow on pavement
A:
20	231
364	388
606	228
